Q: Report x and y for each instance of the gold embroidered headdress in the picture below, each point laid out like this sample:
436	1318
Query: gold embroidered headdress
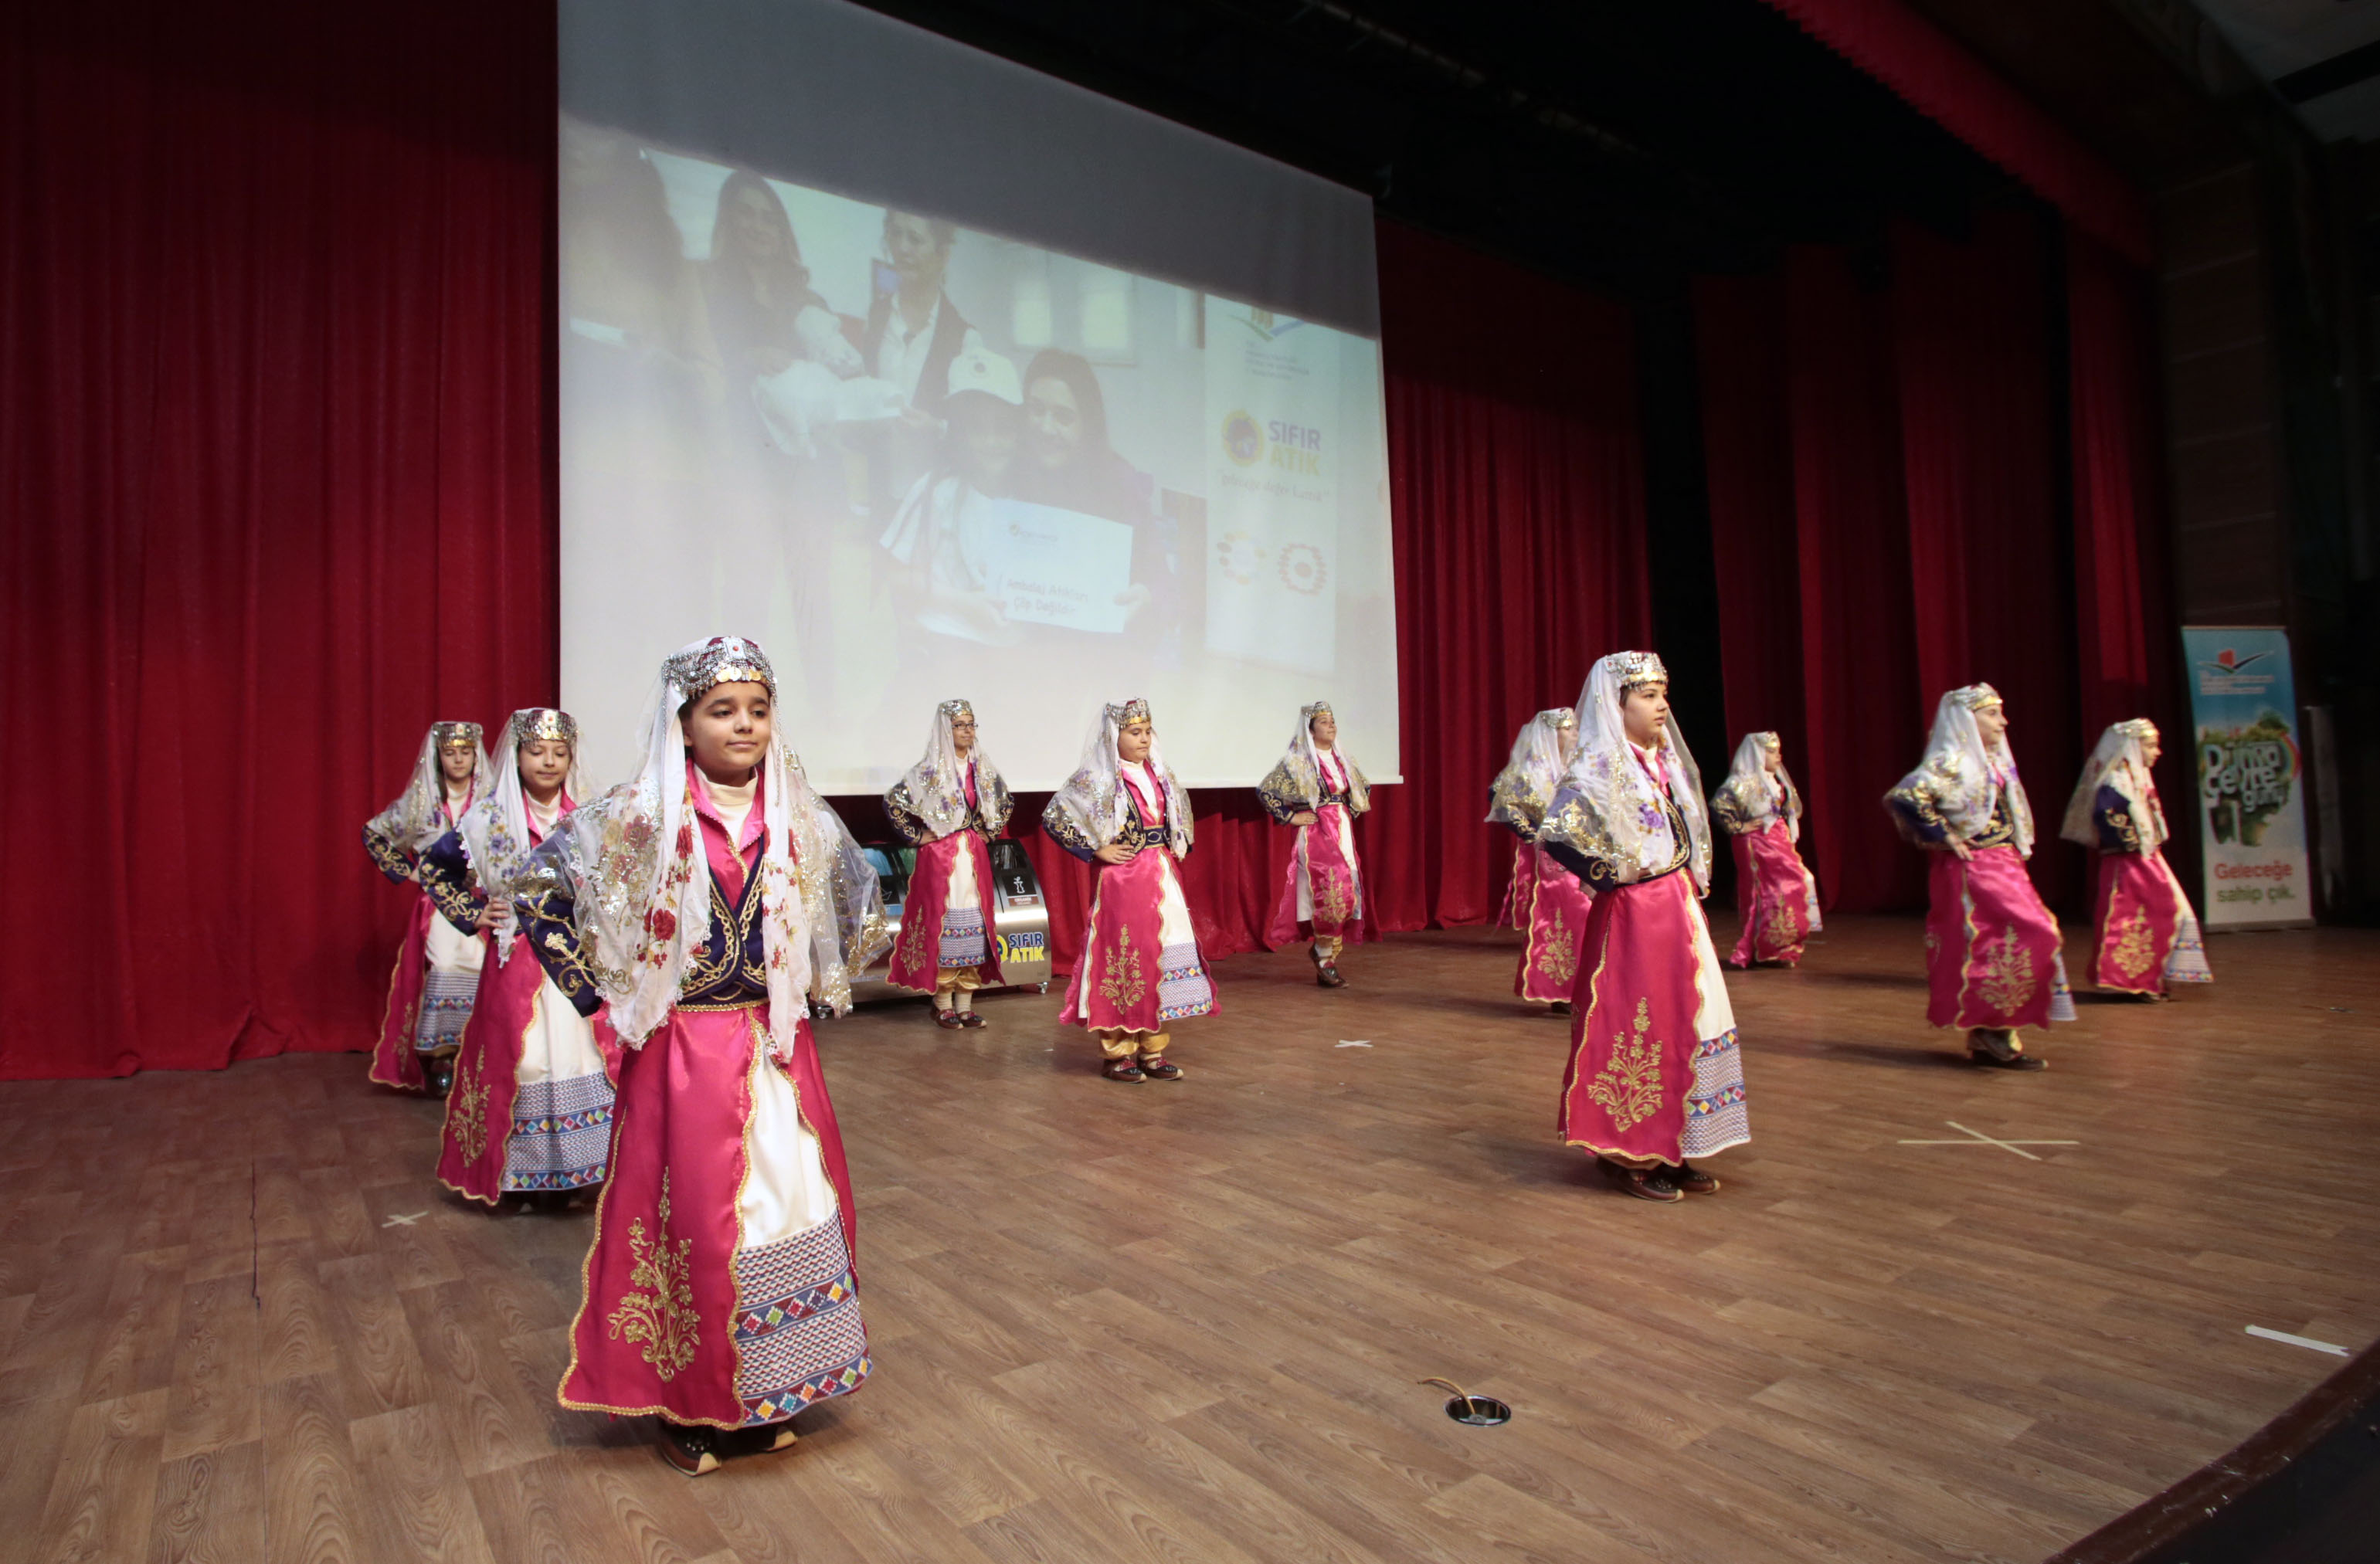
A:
542	723
723	659
1634	668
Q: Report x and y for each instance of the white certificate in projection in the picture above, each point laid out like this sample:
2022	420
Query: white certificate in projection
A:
1062	567
1276	443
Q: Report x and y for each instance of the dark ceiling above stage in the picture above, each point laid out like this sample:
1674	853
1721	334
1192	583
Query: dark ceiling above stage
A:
1619	143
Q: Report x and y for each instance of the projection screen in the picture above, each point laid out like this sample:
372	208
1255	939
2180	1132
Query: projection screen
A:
941	377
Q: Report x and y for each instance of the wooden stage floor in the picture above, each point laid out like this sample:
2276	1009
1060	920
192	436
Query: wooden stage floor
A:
239	1321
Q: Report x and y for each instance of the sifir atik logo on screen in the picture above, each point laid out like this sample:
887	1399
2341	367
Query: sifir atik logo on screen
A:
1294	448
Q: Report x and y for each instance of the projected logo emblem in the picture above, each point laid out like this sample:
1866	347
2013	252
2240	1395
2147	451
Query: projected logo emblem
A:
1301	569
1239	557
1267	325
1243	439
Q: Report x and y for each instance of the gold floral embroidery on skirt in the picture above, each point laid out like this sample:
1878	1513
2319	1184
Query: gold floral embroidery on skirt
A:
2004	972
2133	949
1629	1085
1122	982
1330	902
913	943
1558	961
658	1309
1781	928
467	1106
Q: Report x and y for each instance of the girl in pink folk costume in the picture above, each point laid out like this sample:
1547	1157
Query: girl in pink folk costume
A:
1760	810
1548	901
1992	957
950	804
1140	971
1319	790
531	1112
707	903
2146	935
1654	1075
437	972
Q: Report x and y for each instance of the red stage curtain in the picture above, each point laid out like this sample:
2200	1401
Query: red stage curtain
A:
1940	80
274	304
1748	468
1980	428
1857	634
2124	634
1517	477
273	316
1801	456
1921	438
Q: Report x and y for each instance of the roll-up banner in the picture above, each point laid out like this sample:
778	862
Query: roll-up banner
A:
2251	807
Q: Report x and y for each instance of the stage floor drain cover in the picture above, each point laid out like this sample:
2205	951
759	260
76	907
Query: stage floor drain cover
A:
1479	1412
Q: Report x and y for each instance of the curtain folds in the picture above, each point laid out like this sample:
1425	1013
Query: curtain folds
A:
274	306
272	335
276	302
1911	421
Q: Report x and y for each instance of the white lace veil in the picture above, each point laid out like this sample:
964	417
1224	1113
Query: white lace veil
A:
1606	806
640	879
1959	771
1527	784
1747	785
1303	764
1093	800
936	785
496	830
2118	761
416	818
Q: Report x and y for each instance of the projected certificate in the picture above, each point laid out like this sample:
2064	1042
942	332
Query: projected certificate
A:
1059	567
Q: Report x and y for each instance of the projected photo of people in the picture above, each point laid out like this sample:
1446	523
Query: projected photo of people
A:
776	338
916	452
946	536
1070	466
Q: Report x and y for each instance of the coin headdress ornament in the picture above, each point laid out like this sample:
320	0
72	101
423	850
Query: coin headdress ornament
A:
723	659
544	722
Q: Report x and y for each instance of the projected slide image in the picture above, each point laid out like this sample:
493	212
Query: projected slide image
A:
920	460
